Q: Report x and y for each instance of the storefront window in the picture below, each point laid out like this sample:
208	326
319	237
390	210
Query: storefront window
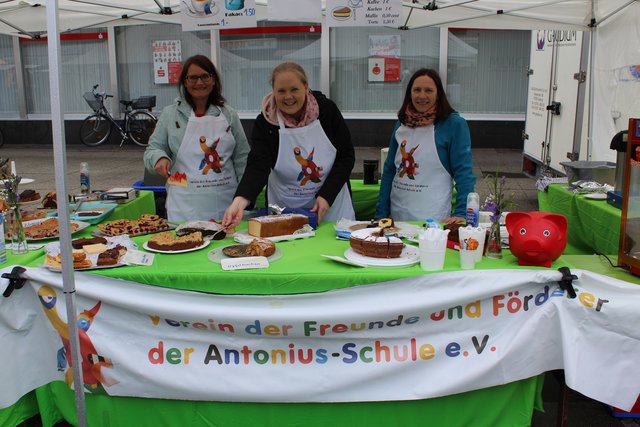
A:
83	63
248	56
359	83
8	89
487	71
134	47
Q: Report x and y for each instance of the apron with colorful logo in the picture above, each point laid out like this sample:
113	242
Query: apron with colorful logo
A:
421	187
305	157
205	156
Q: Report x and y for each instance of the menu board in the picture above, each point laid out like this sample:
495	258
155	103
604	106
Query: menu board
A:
167	61
200	15
363	13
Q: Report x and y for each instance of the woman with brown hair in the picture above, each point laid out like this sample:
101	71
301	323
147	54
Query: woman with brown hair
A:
430	149
199	145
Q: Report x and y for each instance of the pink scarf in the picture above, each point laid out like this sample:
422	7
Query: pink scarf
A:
310	112
416	119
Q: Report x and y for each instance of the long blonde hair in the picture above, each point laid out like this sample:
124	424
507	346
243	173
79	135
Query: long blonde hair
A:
290	66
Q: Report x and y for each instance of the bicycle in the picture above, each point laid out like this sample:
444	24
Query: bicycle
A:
138	124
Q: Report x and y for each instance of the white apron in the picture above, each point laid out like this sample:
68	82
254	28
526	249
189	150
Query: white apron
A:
305	157
421	187
205	155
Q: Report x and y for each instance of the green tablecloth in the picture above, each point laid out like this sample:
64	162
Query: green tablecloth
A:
364	197
594	225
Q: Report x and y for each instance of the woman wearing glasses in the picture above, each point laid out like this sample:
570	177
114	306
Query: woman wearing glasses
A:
302	146
200	145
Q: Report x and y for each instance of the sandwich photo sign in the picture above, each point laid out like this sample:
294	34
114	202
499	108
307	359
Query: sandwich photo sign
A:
363	13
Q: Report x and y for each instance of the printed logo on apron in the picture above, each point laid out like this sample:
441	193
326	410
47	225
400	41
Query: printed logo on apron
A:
205	157
305	156
422	187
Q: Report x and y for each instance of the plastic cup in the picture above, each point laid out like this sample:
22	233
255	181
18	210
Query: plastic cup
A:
432	259
477	233
467	259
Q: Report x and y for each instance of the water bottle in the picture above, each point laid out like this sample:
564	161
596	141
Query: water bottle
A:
432	223
85	183
473	209
3	248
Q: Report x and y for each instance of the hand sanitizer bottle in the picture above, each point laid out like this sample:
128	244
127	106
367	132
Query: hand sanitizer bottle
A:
473	209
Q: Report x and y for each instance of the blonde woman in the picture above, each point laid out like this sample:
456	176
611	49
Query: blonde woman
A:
302	147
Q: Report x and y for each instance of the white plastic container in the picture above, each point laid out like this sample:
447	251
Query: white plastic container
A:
85	181
473	209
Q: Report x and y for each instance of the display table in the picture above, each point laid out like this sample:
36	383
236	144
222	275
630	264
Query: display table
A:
594	225
300	270
364	198
142	204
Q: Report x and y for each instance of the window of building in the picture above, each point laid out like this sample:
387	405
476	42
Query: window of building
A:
135	59
83	63
487	71
352	87
249	55
8	88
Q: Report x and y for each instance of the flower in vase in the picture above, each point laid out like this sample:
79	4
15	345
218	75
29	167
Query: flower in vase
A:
11	183
497	201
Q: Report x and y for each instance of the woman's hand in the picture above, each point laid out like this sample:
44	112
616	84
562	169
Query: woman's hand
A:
163	167
320	208
233	214
453	220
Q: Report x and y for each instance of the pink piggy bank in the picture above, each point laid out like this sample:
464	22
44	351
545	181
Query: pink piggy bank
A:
536	238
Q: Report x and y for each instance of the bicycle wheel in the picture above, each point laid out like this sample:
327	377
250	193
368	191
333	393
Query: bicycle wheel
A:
140	126
95	130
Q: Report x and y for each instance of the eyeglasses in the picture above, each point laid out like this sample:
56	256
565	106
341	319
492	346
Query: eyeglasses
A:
206	78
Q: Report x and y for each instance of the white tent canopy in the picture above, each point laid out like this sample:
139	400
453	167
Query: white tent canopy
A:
28	17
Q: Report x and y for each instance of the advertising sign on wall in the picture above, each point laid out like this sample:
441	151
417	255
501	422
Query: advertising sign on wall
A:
384	58
167	61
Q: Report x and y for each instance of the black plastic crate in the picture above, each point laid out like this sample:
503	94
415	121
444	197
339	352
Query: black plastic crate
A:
144	102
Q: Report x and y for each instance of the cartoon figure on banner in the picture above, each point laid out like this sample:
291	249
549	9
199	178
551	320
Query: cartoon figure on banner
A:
536	238
408	165
92	362
310	171
212	160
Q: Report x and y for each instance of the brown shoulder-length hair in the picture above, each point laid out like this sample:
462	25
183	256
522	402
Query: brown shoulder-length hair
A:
444	109
215	97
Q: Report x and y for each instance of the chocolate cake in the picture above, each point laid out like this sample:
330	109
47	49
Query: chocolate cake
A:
372	242
28	196
80	243
207	228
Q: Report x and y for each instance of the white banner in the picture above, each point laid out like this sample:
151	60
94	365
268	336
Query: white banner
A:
414	338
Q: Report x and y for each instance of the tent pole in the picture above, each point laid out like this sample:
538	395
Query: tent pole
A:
592	70
59	152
